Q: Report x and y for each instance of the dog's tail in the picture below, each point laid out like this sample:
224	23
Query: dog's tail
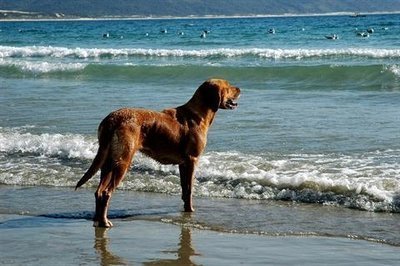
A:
101	156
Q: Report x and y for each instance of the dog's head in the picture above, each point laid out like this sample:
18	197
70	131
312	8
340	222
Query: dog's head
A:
218	94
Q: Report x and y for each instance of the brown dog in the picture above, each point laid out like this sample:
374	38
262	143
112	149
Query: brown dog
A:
173	136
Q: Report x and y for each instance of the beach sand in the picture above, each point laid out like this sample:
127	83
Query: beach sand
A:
33	232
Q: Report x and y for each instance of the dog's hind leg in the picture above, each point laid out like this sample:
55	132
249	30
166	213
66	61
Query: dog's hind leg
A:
102	197
112	174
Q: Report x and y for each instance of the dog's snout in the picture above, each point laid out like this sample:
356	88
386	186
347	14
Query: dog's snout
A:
237	91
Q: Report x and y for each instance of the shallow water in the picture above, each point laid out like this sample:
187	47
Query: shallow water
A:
258	217
135	242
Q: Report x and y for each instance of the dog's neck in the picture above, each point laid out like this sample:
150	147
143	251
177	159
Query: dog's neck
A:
200	113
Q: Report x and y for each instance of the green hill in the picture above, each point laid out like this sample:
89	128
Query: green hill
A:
98	8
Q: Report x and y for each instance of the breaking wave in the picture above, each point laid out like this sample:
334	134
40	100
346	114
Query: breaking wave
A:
83	53
366	181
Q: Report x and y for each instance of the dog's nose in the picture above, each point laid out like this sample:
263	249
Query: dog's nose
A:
237	90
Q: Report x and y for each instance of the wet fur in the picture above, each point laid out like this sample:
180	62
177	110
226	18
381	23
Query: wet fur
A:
172	136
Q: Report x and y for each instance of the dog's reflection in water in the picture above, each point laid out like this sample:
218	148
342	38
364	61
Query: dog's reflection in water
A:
101	245
184	252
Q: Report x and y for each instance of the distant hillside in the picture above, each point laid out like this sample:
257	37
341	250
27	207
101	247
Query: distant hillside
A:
99	8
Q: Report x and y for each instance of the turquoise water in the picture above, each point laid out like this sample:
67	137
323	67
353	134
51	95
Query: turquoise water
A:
318	120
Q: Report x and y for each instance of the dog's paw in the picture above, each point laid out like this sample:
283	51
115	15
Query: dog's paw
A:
188	208
104	224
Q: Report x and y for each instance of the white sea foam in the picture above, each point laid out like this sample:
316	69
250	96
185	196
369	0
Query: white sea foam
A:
42	67
321	172
68	145
61	52
395	69
368	181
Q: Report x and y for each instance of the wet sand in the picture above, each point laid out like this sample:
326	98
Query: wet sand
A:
51	226
35	240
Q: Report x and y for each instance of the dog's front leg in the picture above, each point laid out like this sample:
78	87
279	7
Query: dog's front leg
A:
186	171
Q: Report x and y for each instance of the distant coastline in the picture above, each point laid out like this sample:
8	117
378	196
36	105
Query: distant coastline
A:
33	16
152	9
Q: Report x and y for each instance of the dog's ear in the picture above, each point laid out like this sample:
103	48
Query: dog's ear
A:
211	95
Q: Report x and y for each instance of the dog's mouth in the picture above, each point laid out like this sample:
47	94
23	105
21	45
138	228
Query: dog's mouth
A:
231	104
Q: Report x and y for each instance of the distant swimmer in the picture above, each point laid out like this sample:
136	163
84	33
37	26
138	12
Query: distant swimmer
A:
370	30
181	33
164	31
106	35
363	34
204	34
271	31
332	37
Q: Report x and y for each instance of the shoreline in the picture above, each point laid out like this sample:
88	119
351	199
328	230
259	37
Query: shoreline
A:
151	229
139	17
219	215
135	241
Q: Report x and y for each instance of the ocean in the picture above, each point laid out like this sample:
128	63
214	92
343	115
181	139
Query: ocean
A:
317	127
